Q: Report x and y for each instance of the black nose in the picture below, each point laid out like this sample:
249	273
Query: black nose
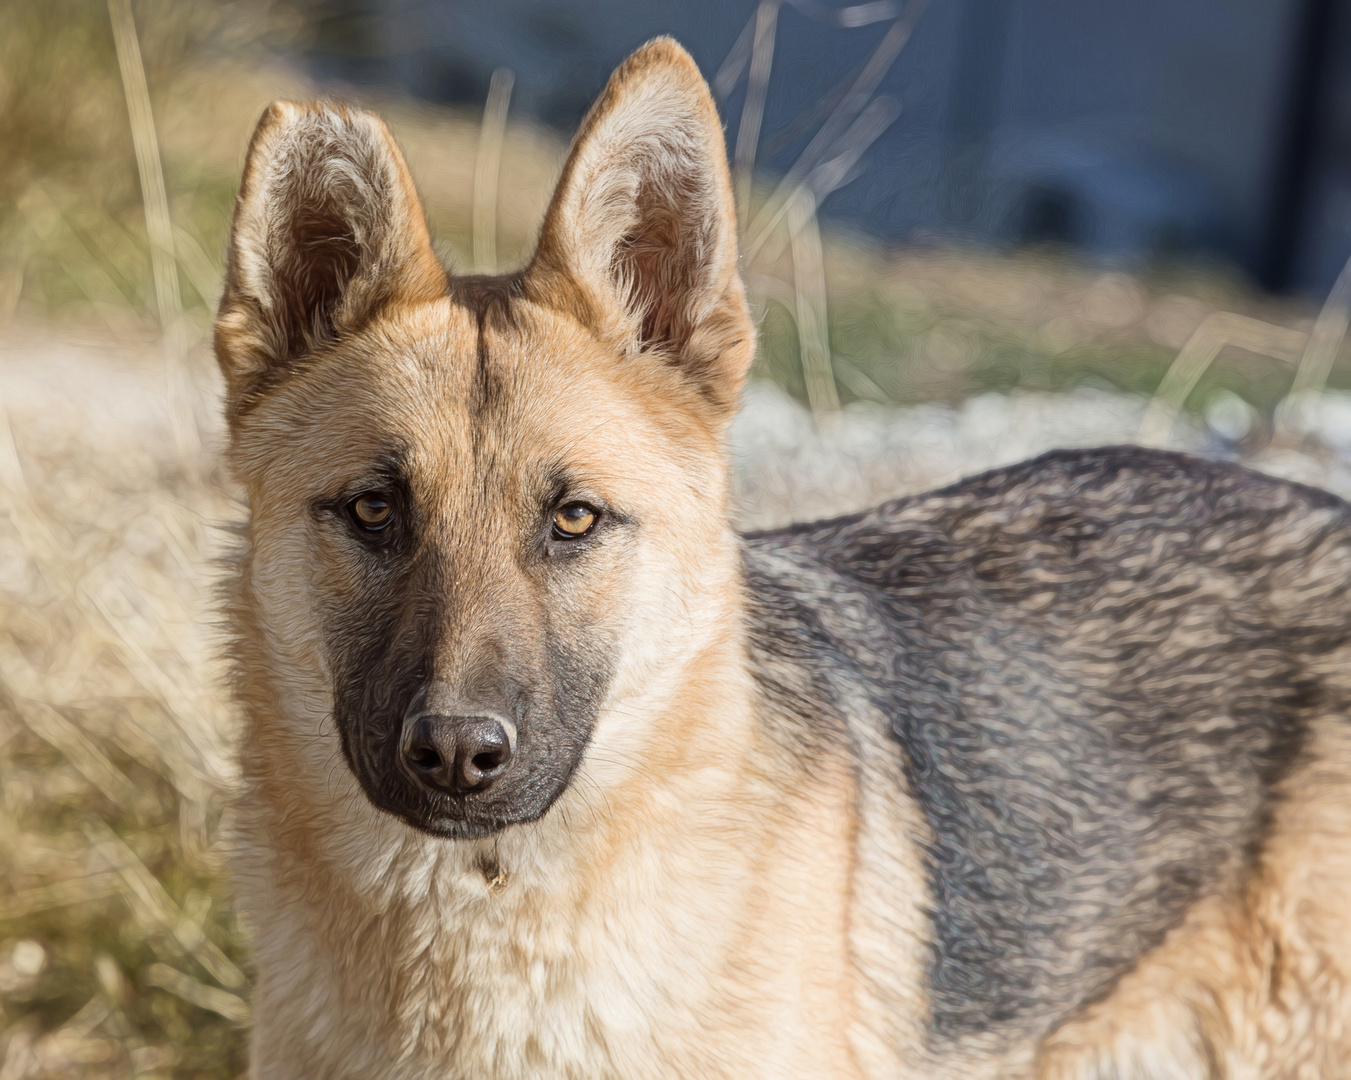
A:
456	754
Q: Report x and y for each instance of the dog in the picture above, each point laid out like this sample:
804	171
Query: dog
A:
548	772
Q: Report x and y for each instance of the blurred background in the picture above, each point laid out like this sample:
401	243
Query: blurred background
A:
973	230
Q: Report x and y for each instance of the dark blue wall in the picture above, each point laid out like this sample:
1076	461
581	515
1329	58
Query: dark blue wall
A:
1128	128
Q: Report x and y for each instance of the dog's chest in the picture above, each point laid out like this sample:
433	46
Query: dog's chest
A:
507	986
521	995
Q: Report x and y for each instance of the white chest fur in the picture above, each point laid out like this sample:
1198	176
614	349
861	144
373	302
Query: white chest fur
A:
661	952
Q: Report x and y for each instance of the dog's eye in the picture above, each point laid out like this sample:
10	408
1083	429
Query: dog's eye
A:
372	511
574	521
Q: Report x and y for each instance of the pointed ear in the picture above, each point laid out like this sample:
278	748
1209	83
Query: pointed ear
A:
640	239
327	231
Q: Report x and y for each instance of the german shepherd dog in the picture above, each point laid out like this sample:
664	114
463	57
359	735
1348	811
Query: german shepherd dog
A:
550	773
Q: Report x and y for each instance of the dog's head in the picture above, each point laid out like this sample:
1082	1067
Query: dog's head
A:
486	513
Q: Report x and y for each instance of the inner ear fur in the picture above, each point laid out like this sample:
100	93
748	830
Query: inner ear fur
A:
327	231
640	239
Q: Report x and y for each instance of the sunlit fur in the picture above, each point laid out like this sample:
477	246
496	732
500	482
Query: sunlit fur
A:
737	879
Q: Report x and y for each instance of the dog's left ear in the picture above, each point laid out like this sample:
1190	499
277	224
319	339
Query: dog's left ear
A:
640	239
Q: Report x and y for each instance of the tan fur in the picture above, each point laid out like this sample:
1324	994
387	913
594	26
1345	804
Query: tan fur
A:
697	903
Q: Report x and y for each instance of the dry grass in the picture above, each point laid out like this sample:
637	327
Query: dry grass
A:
118	954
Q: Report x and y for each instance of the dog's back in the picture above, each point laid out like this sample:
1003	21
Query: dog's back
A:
1098	673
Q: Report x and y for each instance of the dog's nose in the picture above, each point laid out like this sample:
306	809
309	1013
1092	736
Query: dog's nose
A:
456	754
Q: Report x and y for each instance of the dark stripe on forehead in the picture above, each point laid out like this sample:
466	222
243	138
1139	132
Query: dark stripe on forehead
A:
489	299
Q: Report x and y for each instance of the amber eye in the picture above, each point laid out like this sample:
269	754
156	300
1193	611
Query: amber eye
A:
371	511
573	521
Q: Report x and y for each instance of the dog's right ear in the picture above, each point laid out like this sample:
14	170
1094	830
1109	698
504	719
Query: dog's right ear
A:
327	231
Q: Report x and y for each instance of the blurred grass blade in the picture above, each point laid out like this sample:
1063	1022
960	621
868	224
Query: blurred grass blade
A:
77	748
159	227
487	168
824	143
201	270
813	322
835	171
63	893
753	111
737	57
221	1002
18	249
848	17
838	170
85	268
1215	332
1320	353
157	221
158	906
197	769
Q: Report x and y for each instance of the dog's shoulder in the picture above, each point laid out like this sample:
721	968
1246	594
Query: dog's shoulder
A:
1095	666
